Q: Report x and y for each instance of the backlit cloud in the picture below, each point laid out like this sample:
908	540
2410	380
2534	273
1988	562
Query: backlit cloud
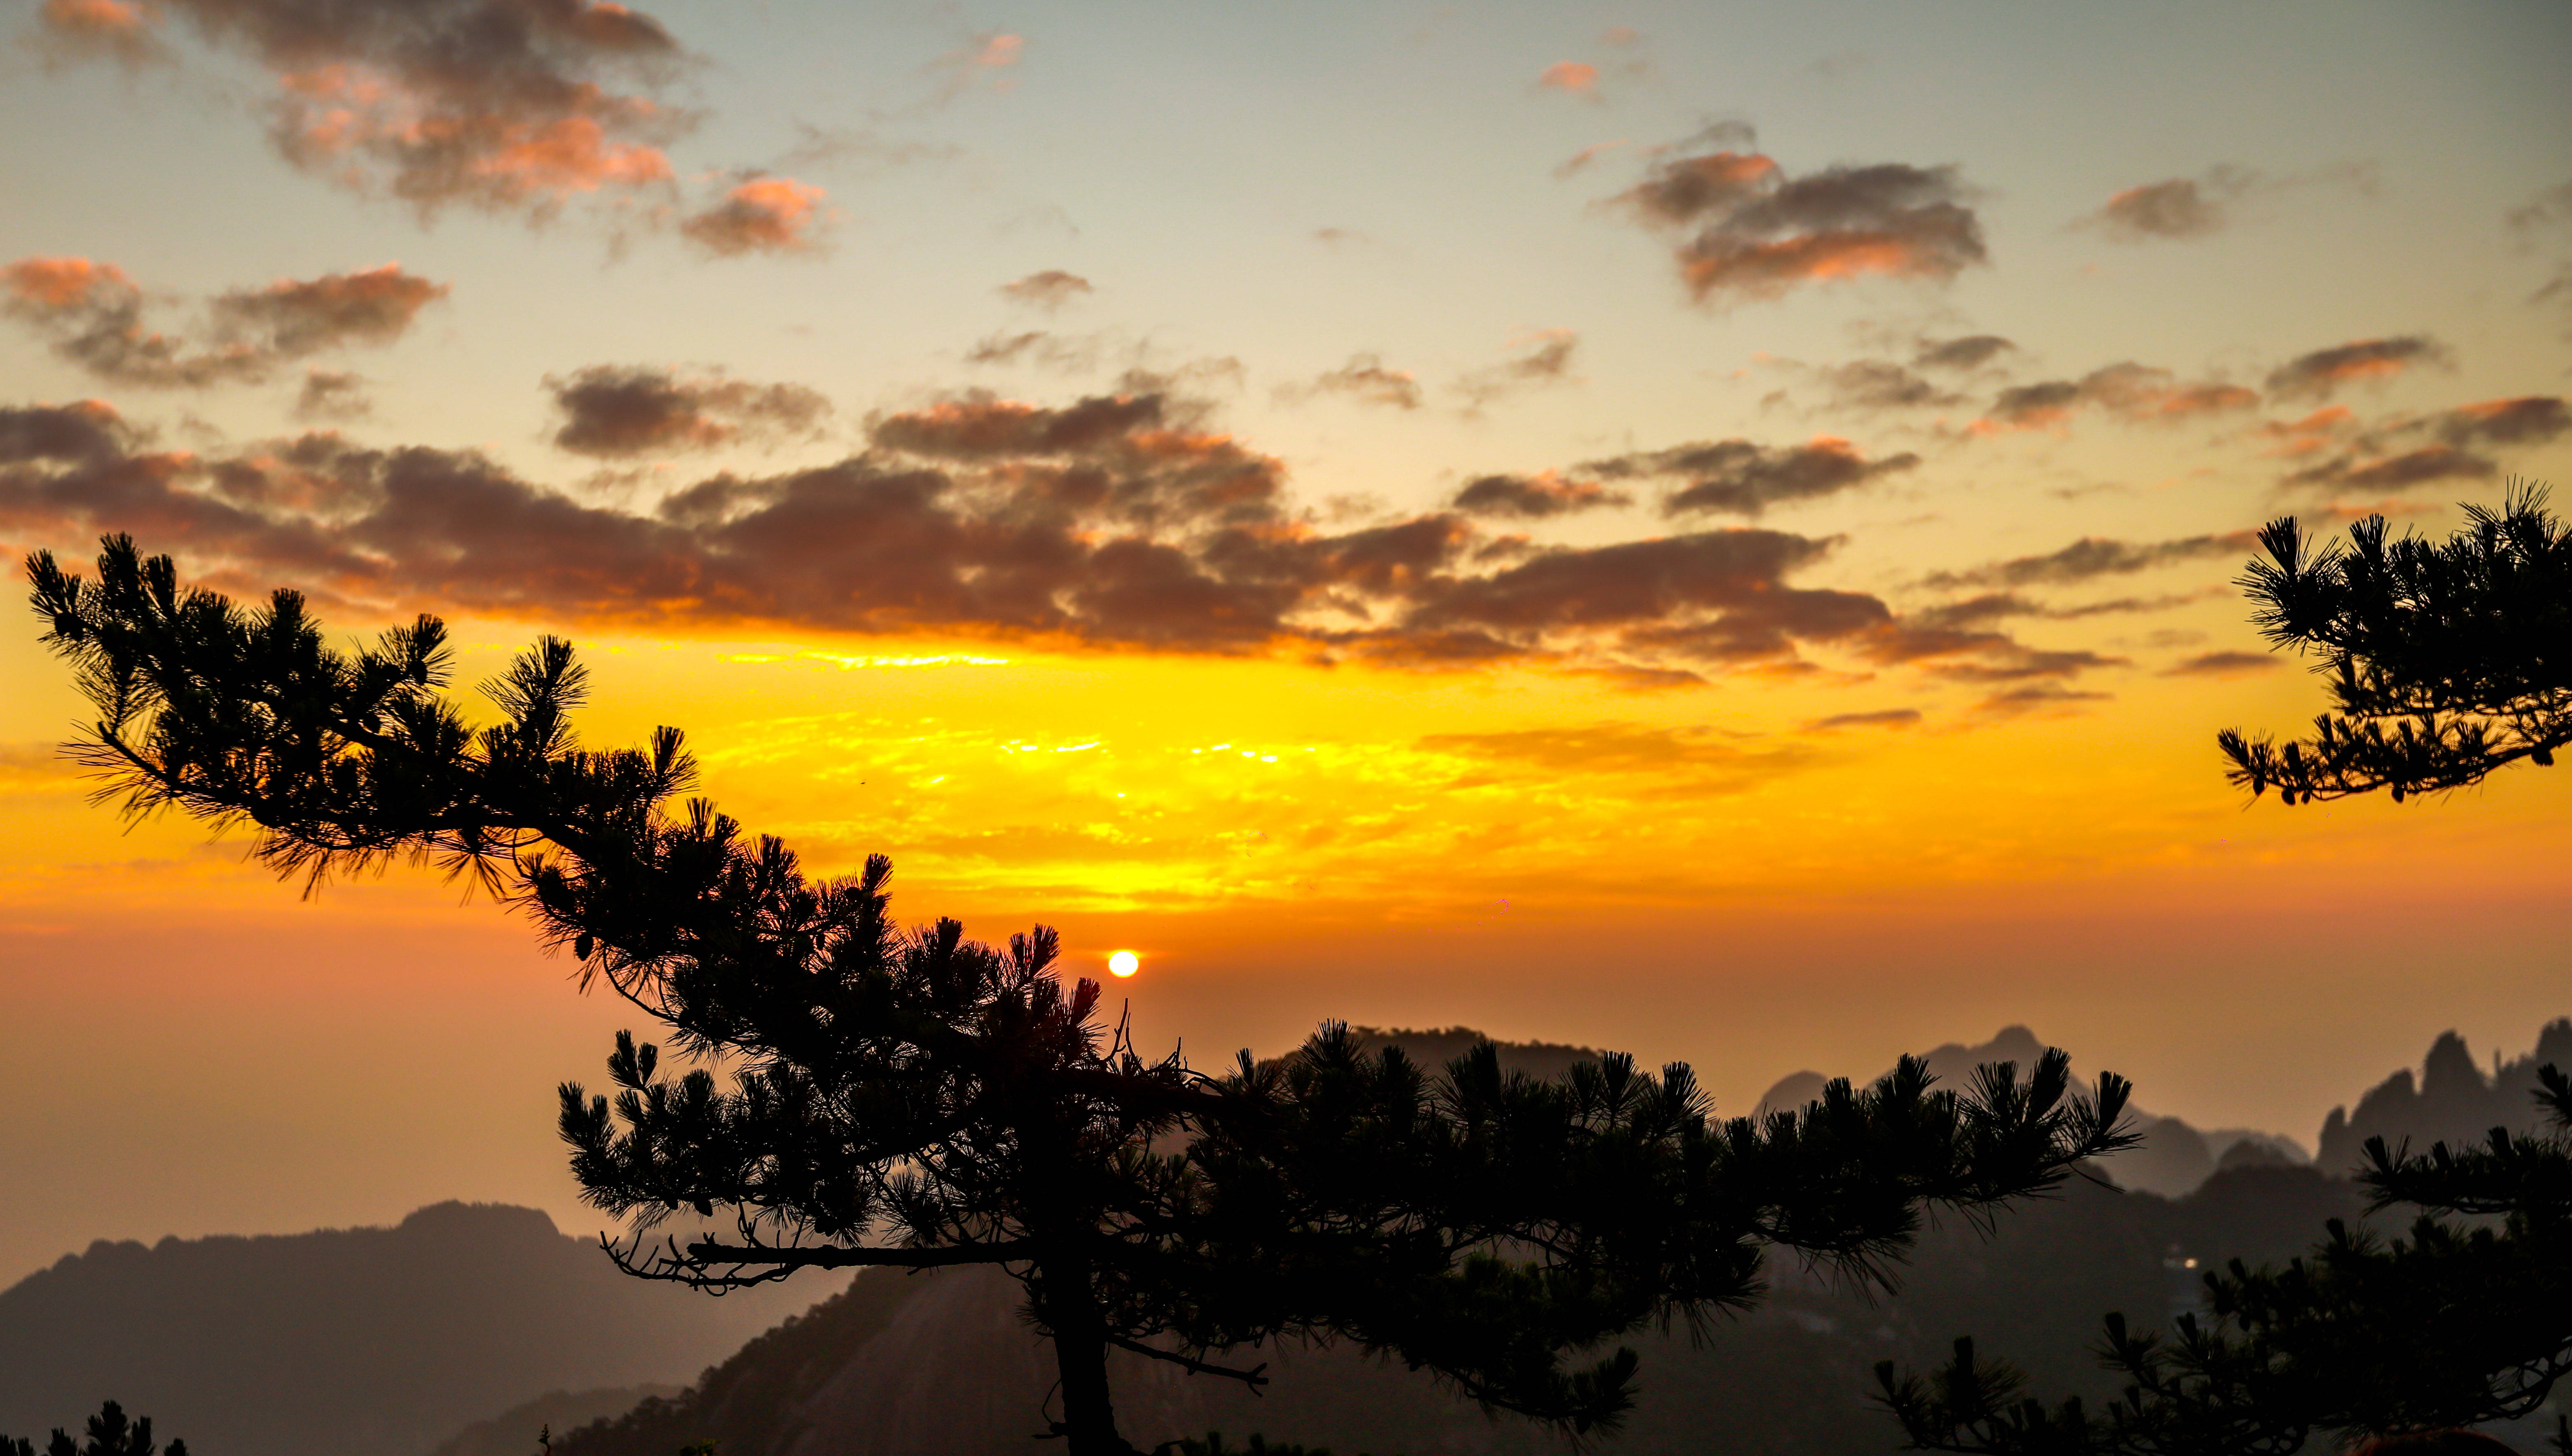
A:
511	106
1749	231
611	411
1114	522
94	314
2321	373
2416	450
761	215
2128	391
114	29
1574	78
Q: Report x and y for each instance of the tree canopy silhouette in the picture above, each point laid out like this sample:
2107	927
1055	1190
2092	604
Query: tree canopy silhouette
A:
2462	1322
2447	660
109	1433
915	1099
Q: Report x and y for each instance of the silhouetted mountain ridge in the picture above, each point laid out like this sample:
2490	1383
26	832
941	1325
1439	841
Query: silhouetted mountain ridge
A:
2173	1158
349	1342
2451	1101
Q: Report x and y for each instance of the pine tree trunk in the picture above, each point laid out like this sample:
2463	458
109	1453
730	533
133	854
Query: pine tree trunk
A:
1070	1310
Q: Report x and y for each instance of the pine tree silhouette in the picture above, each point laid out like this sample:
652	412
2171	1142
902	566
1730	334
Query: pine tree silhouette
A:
109	1433
2460	1322
918	1100
2446	661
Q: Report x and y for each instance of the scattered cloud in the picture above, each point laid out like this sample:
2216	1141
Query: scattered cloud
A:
94	314
2225	664
1687	762
761	215
2420	449
2194	206
2400	471
1886	717
1048	291
611	411
1749	231
507	106
2320	374
1972	352
2127	391
1534	497
989	59
1739	477
1364	379
2092	557
2176	207
1036	347
1883	384
2548	217
2531	419
1572	78
1544	357
333	395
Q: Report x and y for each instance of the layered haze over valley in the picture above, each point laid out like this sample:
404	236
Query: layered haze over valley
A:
464	1328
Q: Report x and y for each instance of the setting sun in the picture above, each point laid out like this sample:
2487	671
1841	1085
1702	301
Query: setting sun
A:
1124	963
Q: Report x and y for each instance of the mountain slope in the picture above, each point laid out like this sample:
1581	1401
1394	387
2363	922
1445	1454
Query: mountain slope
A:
352	1342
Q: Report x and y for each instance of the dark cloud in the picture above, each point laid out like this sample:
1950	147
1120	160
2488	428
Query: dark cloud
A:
1534	497
2092	557
2320	374
1742	478
1050	289
611	411
83	432
1364	379
761	215
2532	419
504	105
2393	455
94	313
1753	231
2128	391
1969	352
2224	665
1115	521
2397	471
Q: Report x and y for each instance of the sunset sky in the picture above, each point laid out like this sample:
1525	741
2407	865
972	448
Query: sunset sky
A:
1704	530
